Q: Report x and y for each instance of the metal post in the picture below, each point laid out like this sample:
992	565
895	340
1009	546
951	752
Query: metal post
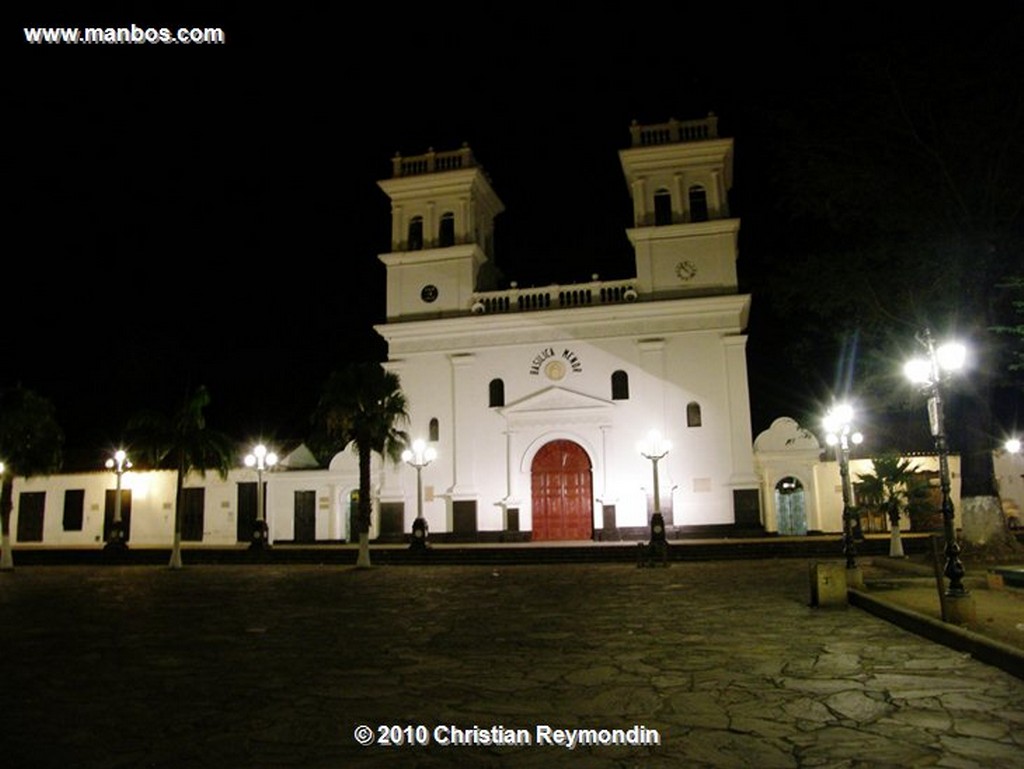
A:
839	432
118	541
419	491
261	460
954	570
930	375
418	457
849	543
117	503
657	519
260	517
657	550
954	567
260	530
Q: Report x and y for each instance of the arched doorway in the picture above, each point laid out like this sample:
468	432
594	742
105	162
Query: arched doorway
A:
562	493
790	506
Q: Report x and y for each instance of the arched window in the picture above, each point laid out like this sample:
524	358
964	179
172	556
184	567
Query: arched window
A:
434	431
496	393
446	231
416	233
693	414
698	204
662	207
620	386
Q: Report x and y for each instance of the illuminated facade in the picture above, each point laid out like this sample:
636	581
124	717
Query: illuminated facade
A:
535	398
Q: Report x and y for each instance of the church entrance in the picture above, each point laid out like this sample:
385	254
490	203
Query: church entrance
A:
791	507
562	493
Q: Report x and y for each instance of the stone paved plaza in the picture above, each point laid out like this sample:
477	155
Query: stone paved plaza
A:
279	666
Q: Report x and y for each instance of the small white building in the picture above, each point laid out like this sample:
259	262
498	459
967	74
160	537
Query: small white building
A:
303	503
801	488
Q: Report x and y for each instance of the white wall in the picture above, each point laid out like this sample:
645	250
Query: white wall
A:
484	453
152	504
621	477
1009	470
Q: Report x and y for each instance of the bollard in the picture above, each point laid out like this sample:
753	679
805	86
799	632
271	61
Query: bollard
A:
828	584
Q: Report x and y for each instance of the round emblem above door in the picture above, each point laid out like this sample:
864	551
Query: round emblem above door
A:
429	293
554	370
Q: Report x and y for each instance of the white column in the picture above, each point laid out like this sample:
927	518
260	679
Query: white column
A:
652	360
390	480
769	515
397	226
464	223
508	464
639	203
604	465
682	201
741	441
719	204
463	427
332	510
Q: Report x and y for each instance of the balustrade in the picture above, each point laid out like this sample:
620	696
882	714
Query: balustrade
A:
518	299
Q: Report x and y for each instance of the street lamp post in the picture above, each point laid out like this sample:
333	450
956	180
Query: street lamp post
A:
655	448
840	434
419	456
931	374
261	459
119	463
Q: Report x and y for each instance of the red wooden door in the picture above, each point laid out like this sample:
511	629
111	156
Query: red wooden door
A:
562	501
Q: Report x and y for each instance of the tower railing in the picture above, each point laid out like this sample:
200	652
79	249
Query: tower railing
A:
430	162
554	297
674	131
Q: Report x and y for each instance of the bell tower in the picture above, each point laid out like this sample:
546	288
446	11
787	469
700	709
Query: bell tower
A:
442	233
679	175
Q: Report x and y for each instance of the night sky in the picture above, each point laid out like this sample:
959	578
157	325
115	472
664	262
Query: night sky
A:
210	215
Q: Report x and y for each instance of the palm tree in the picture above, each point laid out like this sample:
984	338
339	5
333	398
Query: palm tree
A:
185	443
894	487
31	443
362	405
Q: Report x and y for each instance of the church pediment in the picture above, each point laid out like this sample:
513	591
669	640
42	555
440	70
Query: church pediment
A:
556	404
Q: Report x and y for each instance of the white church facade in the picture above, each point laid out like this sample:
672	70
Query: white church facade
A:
535	399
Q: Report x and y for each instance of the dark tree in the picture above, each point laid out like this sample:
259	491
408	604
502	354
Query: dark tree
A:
362	405
182	442
31	443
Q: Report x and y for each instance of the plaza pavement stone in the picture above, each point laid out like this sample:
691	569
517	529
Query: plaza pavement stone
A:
277	666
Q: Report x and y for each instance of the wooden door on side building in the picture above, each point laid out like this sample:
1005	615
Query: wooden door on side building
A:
247	505
305	516
562	493
193	514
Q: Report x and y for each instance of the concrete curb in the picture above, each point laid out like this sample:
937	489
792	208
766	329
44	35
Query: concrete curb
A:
984	649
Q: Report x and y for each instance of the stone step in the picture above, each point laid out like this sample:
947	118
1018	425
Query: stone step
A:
496	554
